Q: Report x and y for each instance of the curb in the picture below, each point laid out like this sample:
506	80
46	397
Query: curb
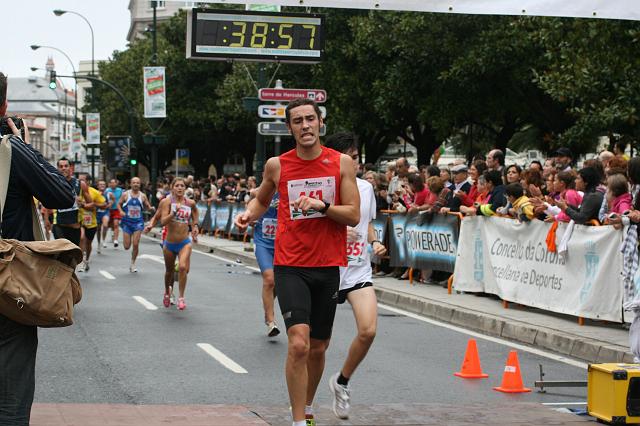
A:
574	346
578	347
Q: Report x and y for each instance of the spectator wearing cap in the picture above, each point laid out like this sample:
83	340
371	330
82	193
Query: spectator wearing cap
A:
460	185
564	159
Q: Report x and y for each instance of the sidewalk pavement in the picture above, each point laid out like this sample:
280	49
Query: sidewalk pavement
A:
593	342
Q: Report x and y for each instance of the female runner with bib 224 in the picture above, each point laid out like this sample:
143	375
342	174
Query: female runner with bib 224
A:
177	213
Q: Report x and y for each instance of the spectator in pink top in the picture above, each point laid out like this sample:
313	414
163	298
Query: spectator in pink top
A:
564	185
618	194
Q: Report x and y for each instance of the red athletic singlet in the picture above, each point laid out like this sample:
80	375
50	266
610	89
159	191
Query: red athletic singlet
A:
312	240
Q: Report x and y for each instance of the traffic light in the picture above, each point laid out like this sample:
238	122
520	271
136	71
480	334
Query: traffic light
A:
53	84
133	155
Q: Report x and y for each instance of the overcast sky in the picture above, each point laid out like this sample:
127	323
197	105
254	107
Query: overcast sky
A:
28	22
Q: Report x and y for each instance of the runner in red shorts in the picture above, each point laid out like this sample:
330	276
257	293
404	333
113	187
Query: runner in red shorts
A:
318	196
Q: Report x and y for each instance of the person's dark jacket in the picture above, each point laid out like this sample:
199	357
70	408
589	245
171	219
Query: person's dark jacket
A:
31	176
455	202
589	208
497	198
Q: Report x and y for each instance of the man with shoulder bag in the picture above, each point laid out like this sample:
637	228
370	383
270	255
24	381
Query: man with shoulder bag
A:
30	175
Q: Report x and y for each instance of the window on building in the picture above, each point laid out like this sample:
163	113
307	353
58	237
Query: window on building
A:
159	4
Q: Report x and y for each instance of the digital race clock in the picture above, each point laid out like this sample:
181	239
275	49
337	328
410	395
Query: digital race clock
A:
254	36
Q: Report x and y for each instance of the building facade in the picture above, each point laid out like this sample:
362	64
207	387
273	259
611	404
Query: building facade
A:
49	113
142	14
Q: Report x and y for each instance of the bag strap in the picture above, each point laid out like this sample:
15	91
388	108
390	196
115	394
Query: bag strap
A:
5	170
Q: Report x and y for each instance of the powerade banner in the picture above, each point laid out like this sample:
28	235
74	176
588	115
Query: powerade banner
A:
223	217
396	240
202	212
431	241
510	259
379	225
213	211
237	209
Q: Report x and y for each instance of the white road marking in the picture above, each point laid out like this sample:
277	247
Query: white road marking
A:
564	403
539	352
222	358
144	302
158	259
107	275
535	351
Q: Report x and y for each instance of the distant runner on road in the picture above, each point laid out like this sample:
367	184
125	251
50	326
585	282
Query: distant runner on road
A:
131	205
264	235
355	279
178	214
318	199
102	214
89	219
114	213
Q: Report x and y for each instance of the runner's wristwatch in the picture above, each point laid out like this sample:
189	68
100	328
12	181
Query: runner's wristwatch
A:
325	208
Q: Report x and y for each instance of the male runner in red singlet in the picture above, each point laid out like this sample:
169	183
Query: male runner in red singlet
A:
318	199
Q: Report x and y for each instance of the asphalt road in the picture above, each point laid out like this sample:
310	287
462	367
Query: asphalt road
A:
119	351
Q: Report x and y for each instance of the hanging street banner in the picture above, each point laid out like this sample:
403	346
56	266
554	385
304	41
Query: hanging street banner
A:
287	95
155	93
603	9
93	128
76	143
510	259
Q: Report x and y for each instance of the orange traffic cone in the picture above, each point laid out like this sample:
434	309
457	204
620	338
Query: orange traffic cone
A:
512	379
471	368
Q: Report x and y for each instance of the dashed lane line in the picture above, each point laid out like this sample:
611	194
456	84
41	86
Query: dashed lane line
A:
144	302
107	275
222	358
152	257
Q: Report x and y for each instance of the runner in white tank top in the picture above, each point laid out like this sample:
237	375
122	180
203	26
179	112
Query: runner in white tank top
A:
355	279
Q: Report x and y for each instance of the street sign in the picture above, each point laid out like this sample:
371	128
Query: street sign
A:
287	95
273	128
154	139
274	111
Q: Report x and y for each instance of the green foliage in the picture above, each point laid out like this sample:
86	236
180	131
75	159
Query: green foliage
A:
515	81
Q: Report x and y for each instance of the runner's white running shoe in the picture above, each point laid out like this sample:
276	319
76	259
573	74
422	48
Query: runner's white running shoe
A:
341	397
80	267
104	245
133	268
86	266
115	244
272	329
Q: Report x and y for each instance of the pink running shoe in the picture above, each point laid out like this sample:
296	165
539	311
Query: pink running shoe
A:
181	304
166	300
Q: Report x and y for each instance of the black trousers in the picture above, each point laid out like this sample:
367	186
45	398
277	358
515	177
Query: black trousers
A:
18	347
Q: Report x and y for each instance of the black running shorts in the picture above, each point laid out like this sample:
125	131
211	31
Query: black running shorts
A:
342	294
90	233
308	296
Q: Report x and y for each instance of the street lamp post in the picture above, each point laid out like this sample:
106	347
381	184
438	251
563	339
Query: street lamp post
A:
60	12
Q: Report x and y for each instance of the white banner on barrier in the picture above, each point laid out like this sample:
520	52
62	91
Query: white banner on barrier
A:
510	259
606	9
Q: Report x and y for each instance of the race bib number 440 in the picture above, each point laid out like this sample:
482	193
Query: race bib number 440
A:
322	188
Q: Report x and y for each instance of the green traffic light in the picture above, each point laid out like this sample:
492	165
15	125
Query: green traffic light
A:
53	85
133	162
